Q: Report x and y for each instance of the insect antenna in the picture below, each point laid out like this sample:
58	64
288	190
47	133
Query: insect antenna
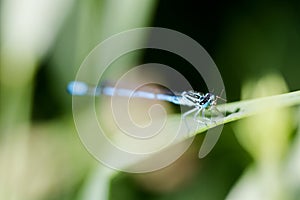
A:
219	97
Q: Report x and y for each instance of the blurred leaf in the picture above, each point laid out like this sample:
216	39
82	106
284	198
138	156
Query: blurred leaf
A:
98	184
266	138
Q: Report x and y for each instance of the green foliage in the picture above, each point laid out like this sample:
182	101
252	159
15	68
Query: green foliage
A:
257	156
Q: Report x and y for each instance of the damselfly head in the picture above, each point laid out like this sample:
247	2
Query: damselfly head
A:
213	98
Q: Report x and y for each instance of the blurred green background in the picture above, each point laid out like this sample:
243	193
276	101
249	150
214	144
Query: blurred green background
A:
255	44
